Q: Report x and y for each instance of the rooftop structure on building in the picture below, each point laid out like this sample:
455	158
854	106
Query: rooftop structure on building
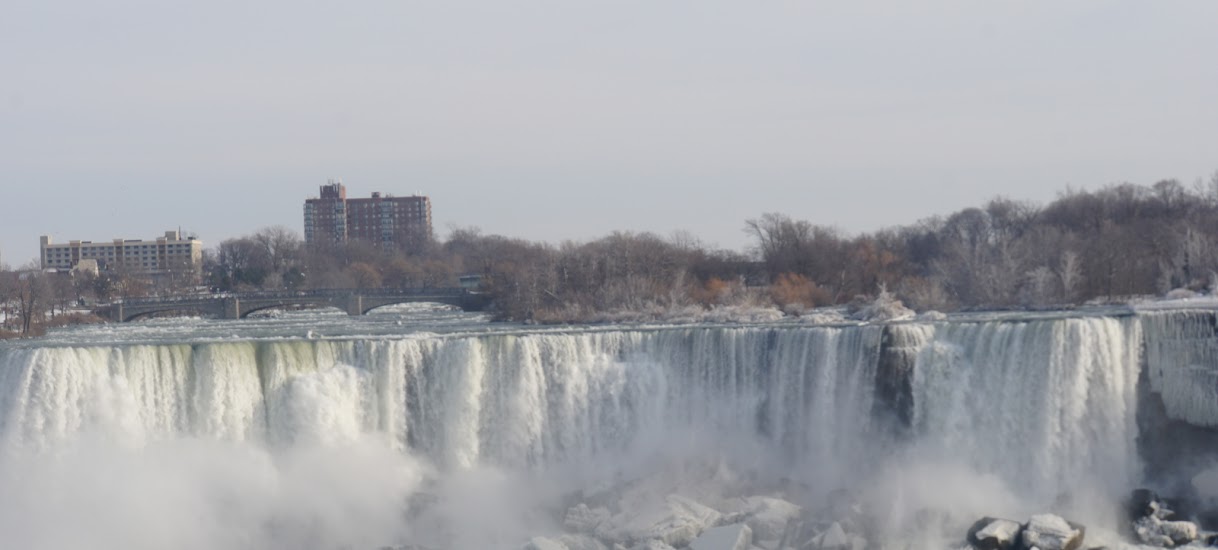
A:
162	255
382	220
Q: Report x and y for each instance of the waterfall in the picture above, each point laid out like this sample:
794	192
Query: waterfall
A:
1047	405
1182	363
517	400
1043	406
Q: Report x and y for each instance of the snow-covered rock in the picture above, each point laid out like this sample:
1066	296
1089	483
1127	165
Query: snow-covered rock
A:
544	543
582	519
797	534
1180	532
767	516
1148	531
565	542
727	537
994	534
652	545
885	307
676	521
1152	531
834	538
1180	294
1051	532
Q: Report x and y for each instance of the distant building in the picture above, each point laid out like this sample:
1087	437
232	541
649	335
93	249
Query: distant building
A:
163	255
385	221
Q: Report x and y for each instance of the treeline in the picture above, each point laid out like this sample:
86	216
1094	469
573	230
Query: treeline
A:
31	300
1108	244
529	280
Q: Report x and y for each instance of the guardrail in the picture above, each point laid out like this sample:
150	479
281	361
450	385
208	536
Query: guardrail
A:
439	292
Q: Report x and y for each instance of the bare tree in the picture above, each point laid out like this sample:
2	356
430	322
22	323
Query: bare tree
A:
1070	272
33	297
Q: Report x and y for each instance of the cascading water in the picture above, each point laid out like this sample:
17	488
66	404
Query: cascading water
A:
1045	406
1182	363
521	401
1049	406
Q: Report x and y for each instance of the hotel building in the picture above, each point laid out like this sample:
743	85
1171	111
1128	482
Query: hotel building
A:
168	254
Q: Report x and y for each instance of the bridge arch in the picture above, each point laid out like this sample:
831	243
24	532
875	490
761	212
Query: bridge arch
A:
238	306
201	310
321	303
365	308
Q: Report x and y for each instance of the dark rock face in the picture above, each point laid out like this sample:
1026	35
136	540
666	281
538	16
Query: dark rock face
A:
1151	520
1173	452
894	402
1142	503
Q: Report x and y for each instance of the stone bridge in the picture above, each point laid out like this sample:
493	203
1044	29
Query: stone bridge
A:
239	305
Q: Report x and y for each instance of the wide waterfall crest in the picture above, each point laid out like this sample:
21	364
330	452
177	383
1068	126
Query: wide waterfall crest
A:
1038	408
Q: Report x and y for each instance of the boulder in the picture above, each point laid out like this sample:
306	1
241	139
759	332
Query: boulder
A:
798	534
1180	532
582	519
834	538
994	534
768	517
1051	532
652	545
1149	531
1146	503
727	537
543	543
1153	531
676	521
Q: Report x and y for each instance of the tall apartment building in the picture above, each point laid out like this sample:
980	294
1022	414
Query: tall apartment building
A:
382	220
168	254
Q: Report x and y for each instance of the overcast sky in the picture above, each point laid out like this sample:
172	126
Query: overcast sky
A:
568	120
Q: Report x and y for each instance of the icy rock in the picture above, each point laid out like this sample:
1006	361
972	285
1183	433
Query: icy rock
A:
885	307
1050	532
1180	532
768	516
543	543
582	519
834	538
931	316
582	542
565	542
994	534
1153	531
798	534
1146	503
652	545
728	537
1149	531
676	522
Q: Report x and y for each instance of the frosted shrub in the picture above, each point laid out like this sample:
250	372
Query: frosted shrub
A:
885	307
1181	294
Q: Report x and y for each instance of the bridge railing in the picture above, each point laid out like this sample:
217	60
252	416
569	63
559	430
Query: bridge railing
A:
439	292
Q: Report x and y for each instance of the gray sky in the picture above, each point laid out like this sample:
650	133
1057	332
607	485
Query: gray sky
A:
567	120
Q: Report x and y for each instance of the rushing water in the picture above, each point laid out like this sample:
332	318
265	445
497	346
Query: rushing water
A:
312	430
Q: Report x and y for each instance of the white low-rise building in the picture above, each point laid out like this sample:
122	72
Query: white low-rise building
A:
168	254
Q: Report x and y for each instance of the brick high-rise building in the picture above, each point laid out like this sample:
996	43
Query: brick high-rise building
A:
382	220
